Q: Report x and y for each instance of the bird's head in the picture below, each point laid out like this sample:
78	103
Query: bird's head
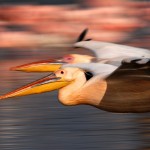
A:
54	81
69	74
53	65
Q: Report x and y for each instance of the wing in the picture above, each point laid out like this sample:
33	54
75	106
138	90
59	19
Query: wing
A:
97	69
128	88
105	50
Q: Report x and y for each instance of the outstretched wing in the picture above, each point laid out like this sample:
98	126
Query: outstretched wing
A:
105	50
128	88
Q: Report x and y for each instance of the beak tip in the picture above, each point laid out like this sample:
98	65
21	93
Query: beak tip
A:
6	96
16	69
2	97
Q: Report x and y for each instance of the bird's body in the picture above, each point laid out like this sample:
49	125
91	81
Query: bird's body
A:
117	97
126	90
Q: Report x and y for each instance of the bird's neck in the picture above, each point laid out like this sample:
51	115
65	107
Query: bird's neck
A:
68	94
81	92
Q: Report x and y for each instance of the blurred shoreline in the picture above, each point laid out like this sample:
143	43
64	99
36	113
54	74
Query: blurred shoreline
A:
44	26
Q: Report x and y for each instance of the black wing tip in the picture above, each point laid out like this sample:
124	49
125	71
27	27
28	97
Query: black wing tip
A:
125	62
136	63
82	35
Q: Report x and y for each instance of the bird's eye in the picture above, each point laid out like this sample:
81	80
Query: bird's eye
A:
61	72
69	58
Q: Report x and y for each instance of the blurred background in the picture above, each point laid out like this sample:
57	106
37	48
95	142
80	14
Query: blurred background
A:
32	30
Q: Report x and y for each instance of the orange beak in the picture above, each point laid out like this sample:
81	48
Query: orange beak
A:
45	84
49	65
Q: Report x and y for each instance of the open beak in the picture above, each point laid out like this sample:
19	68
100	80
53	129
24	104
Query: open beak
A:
50	65
45	84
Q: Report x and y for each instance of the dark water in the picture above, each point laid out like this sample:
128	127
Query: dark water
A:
40	122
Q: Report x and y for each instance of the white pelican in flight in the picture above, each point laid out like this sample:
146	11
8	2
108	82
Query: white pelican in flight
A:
105	86
108	53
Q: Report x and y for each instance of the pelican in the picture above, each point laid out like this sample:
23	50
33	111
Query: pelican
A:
125	89
104	52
